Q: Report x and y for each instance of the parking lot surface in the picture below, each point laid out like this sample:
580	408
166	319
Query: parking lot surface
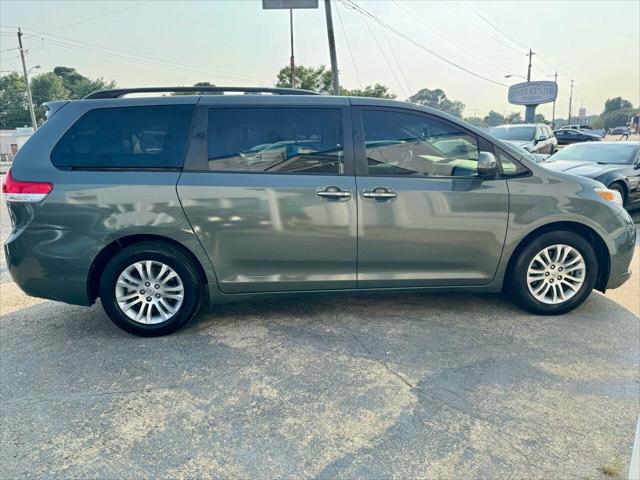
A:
390	386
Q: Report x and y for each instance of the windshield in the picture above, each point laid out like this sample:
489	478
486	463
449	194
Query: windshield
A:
610	153
521	134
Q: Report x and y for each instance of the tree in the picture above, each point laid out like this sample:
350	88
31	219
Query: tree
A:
199	84
513	117
308	78
477	121
14	111
374	91
78	85
618	103
540	118
438	99
494	119
45	88
617	112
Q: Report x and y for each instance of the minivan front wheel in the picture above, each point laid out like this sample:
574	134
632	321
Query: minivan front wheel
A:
150	289
554	273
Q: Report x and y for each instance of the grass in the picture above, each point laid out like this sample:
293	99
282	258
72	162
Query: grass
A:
610	469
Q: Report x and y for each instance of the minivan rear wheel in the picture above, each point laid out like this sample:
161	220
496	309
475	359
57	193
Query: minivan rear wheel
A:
150	289
554	273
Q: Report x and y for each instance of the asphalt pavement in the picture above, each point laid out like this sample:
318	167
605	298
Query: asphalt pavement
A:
391	386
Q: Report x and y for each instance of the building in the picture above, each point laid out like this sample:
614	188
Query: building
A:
12	140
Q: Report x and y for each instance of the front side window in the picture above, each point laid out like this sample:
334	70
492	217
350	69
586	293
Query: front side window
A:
400	143
276	140
126	137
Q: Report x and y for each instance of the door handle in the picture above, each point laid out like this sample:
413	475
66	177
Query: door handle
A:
380	193
333	193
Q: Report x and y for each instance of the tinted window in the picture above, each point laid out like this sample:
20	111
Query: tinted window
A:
610	152
410	144
276	140
126	137
517	133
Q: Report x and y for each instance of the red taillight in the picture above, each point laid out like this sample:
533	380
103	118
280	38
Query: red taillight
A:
30	192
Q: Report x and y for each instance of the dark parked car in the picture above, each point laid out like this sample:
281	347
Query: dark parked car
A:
566	137
614	164
620	131
158	205
534	138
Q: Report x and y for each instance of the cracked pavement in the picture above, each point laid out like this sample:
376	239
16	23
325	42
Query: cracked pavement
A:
431	386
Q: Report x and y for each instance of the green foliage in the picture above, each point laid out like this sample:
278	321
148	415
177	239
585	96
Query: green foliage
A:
615	104
617	112
45	88
13	102
199	84
308	78
477	121
438	99
61	84
374	91
540	119
494	119
78	85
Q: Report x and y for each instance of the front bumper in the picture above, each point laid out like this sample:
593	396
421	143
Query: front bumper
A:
624	247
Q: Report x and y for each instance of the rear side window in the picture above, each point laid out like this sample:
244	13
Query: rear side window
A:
126	137
276	140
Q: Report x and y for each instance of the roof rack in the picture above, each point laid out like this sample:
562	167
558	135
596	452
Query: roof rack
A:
120	92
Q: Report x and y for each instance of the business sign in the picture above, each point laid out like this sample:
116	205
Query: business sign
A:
287	4
533	93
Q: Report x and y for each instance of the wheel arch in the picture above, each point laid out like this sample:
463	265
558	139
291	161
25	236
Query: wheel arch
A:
103	257
602	252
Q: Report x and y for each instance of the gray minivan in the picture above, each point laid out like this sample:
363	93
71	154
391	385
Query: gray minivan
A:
157	205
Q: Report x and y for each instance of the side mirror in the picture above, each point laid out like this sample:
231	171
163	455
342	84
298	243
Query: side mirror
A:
487	166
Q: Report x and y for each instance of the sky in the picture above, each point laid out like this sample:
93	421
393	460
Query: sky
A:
236	42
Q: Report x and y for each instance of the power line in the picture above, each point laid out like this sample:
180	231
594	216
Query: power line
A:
488	22
423	23
487	34
346	40
65	42
393	53
90	19
386	59
353	5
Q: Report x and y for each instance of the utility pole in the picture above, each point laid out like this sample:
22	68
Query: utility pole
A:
26	81
531	54
553	112
293	62
332	47
570	100
530	110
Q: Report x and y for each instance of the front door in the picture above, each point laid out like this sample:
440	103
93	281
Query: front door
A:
425	217
275	208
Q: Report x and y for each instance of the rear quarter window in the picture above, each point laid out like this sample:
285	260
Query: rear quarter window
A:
126	137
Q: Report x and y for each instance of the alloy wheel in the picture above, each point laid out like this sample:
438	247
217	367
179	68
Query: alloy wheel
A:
556	274
149	292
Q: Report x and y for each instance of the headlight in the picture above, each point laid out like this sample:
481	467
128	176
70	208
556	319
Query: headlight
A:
609	195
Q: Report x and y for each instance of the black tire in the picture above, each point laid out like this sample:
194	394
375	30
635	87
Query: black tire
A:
620	189
517	278
157	251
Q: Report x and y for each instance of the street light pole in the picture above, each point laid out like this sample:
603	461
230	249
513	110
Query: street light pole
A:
26	81
332	47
